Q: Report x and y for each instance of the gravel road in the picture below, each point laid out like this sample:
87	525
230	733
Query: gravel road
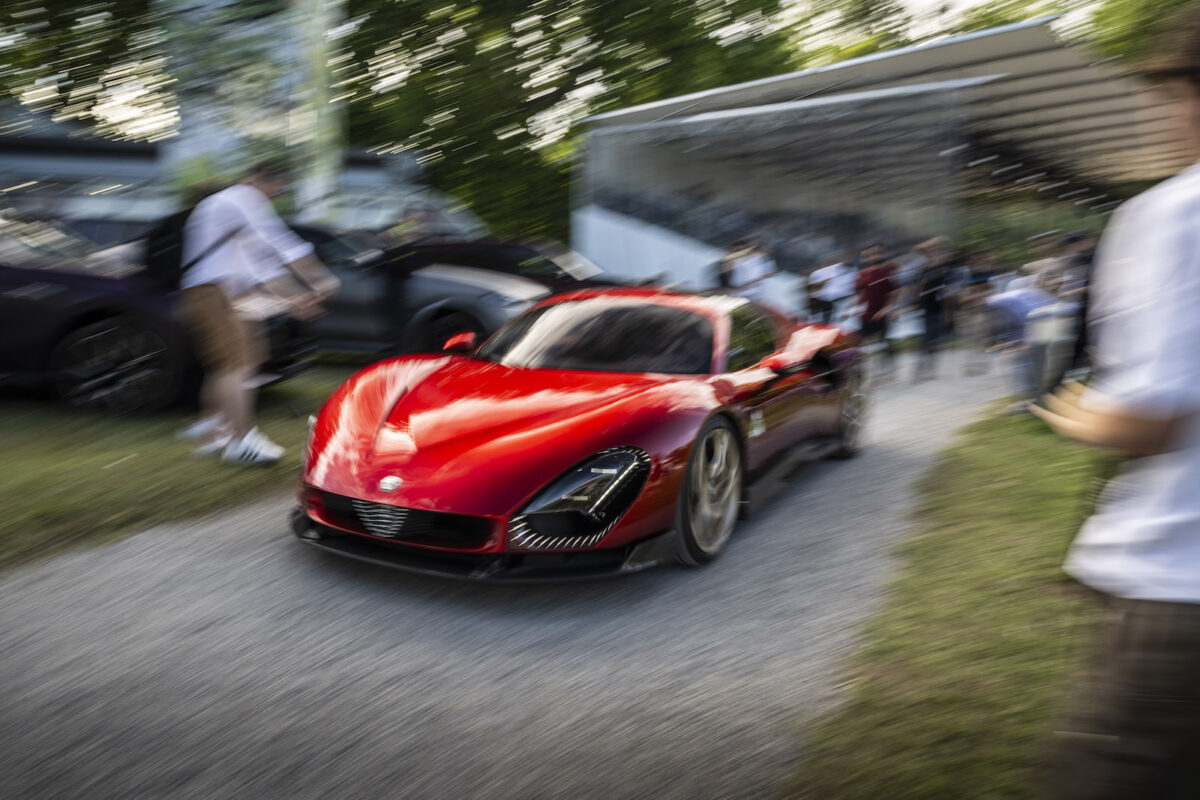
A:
224	659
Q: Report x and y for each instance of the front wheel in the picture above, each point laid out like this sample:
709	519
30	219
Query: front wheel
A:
711	494
448	325
119	365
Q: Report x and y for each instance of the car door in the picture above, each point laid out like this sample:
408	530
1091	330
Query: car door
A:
817	397
30	300
768	401
358	316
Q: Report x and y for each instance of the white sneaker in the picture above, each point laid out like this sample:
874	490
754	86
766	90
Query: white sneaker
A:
200	429
254	448
213	447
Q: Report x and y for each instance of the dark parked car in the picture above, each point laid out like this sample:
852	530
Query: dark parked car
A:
414	298
86	323
558	269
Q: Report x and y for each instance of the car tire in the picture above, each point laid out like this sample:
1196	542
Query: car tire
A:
119	365
851	418
710	499
447	325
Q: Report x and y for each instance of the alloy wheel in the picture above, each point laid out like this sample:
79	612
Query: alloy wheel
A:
114	365
715	490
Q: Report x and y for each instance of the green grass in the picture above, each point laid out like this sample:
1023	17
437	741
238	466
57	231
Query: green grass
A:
963	675
75	477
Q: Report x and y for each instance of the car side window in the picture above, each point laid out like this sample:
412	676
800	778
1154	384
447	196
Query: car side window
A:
751	337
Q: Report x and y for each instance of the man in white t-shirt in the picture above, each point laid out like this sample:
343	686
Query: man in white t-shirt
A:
830	287
1138	734
235	243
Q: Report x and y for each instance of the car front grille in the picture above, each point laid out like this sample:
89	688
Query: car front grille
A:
410	525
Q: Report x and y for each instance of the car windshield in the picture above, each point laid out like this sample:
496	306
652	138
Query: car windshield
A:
339	249
605	334
39	238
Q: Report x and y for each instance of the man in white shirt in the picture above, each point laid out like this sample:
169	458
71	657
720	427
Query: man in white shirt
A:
830	287
1138	735
236	244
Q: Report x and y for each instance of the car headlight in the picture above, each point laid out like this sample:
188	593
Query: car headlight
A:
583	504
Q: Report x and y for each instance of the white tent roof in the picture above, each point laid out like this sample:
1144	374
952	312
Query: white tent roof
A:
1038	97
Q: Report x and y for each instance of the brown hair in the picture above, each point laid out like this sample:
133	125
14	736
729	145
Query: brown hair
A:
1176	48
274	167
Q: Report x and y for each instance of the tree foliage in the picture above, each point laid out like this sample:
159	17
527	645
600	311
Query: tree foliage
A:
885	22
1127	29
1004	12
488	91
99	60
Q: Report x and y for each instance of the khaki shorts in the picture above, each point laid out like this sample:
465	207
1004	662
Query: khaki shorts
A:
223	340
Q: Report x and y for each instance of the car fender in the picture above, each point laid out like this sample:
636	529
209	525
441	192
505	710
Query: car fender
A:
415	330
93	309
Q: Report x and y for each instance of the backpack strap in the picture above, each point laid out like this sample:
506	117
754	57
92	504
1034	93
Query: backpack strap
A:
211	249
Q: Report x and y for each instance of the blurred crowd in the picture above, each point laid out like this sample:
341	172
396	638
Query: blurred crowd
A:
932	295
795	239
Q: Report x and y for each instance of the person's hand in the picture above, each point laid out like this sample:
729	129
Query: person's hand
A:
1116	428
1063	411
327	288
307	309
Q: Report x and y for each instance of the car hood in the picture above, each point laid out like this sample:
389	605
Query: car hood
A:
473	437
515	287
468	400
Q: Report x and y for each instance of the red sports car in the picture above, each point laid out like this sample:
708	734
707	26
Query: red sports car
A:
602	431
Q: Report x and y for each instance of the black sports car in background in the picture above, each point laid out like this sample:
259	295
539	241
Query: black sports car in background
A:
557	269
86	323
414	297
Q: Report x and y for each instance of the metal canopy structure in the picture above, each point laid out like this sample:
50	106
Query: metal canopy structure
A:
1034	97
880	145
889	147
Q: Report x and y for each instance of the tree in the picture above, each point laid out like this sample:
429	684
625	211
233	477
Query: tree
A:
1126	29
1004	12
99	61
489	91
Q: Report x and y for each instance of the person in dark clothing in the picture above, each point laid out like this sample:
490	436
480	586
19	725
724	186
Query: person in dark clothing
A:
1078	252
931	291
1081	253
876	286
723	269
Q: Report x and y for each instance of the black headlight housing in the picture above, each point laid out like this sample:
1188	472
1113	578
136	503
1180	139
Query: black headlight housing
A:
579	507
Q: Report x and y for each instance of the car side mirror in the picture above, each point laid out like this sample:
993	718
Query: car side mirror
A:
784	364
460	343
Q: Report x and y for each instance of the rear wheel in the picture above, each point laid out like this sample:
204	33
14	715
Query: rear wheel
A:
120	365
853	415
452	324
711	494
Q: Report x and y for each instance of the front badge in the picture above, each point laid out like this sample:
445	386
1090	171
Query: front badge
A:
389	484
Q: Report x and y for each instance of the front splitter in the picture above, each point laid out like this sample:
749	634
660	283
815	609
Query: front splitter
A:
490	567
